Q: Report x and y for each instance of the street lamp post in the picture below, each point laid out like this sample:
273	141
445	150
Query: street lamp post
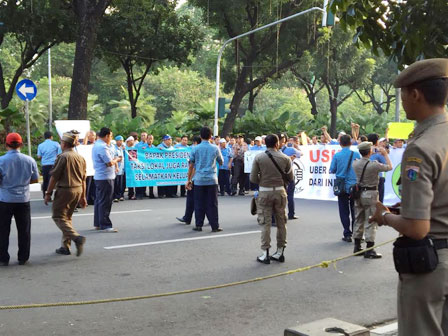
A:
218	64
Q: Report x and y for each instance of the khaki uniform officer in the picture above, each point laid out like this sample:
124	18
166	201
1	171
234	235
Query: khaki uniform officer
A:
69	177
366	204
422	298
272	197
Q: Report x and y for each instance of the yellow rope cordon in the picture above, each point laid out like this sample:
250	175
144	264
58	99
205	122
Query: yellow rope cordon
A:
323	264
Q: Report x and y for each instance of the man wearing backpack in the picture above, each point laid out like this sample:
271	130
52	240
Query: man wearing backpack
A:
341	166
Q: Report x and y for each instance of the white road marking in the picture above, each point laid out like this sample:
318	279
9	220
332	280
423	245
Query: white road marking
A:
180	240
91	214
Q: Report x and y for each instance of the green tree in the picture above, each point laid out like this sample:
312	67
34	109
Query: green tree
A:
263	55
29	28
405	30
338	66
141	33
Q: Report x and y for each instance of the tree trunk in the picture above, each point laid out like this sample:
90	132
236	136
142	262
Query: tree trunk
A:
334	116
89	15
230	120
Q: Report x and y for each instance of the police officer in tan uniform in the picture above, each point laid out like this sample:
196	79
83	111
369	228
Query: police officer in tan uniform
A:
272	196
422	297
69	177
366	204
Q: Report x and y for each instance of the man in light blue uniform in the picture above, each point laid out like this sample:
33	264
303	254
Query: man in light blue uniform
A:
47	152
170	191
203	160
105	168
292	153
224	169
17	171
182	144
339	164
119	184
258	144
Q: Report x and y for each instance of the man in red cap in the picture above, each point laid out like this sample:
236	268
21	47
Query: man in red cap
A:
17	171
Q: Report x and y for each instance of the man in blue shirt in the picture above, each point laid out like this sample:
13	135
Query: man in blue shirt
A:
17	171
340	164
169	191
203	160
182	144
47	152
224	169
105	168
293	154
189	206
258	144
119	184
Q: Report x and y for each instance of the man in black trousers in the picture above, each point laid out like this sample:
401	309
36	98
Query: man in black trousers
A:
203	160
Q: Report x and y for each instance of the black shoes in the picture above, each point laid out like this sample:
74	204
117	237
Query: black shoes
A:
278	255
22	262
347	239
79	242
264	258
372	254
293	217
63	251
182	220
4	263
217	230
197	228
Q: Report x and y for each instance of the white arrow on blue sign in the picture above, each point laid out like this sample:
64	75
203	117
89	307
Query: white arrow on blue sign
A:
26	89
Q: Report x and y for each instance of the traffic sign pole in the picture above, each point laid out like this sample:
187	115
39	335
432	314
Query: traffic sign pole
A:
26	90
28	132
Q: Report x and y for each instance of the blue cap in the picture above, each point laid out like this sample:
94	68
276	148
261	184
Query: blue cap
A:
166	137
119	137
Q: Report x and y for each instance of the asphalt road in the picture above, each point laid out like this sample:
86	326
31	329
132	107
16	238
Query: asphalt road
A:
356	290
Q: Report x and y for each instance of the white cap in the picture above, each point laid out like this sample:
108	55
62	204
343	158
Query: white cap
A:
263	136
258	138
382	139
222	140
342	133
131	138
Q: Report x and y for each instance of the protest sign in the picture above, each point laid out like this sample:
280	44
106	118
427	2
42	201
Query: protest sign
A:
82	126
312	173
249	157
156	167
86	152
397	130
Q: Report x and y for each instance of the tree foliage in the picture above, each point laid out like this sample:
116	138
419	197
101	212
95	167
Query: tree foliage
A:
33	27
404	30
263	55
139	34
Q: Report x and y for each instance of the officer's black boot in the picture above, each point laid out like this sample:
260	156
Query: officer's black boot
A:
264	258
372	253
278	256
358	247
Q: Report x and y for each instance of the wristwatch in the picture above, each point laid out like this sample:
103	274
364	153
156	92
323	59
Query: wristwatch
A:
383	214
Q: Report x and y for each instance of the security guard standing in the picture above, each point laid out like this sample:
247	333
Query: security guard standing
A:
422	297
69	177
272	170
367	178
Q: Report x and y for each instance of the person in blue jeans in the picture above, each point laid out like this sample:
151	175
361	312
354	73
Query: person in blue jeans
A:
341	166
293	154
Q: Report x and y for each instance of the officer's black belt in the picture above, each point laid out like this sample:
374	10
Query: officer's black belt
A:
368	188
440	243
69	187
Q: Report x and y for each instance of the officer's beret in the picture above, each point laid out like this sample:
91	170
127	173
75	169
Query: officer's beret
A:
422	70
69	137
365	145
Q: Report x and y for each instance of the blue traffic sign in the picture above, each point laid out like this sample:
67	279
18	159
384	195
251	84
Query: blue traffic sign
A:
26	89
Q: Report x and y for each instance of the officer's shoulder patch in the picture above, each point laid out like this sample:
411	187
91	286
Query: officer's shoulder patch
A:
412	172
414	159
